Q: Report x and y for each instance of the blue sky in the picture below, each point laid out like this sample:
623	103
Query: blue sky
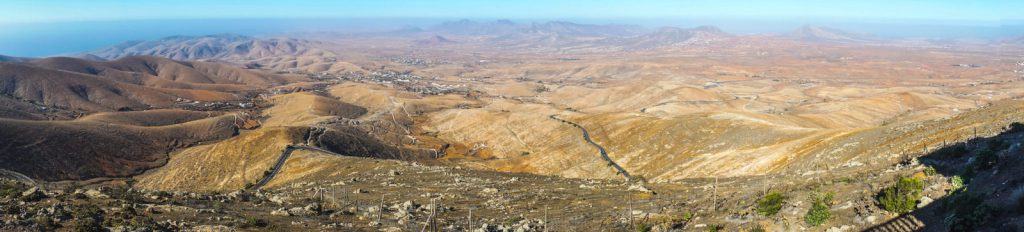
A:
63	27
15	11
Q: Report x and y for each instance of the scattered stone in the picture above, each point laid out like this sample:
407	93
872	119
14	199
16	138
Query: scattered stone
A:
32	194
639	188
489	191
924	202
280	212
301	211
844	228
95	194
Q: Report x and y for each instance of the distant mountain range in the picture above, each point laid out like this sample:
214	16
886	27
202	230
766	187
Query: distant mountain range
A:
315	56
671	36
223	46
825	34
4	58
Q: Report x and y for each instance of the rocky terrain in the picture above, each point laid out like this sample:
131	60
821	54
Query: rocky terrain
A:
503	126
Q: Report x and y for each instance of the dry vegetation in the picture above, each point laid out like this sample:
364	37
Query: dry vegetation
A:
707	122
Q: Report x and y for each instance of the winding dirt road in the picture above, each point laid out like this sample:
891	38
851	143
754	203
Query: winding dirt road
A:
604	154
282	159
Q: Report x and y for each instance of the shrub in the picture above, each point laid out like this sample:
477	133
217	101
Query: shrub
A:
255	222
986	159
929	171
86	225
902	197
1017	199
956	184
249	185
770	204
819	212
687	216
44	222
643	227
969	212
715	228
11	189
756	228
34	196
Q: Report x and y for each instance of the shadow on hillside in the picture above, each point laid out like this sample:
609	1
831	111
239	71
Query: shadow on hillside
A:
991	170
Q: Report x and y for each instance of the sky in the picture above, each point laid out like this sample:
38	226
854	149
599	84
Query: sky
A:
15	11
36	28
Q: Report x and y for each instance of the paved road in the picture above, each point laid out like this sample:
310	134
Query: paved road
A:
604	154
282	159
17	177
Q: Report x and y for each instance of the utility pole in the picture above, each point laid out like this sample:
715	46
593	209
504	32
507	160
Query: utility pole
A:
545	218
380	211
714	201
630	212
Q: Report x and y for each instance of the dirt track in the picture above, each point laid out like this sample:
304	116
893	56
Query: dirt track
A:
604	154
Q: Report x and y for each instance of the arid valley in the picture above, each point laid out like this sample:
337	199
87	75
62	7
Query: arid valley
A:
497	125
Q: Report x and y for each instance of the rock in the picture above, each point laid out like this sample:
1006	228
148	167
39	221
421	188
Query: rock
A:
279	199
394	173
280	212
238	195
301	211
212	228
489	191
95	194
32	194
358	191
140	229
844	228
314	207
639	188
924	201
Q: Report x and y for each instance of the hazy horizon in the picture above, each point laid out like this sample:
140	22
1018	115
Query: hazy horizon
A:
40	39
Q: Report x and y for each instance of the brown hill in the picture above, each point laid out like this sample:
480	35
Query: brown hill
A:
196	75
75	91
83	149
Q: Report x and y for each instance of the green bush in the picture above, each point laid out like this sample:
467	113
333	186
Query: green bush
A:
255	222
715	228
929	171
902	197
643	227
756	228
969	212
956	184
45	223
11	189
770	204
687	216
819	212
986	159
